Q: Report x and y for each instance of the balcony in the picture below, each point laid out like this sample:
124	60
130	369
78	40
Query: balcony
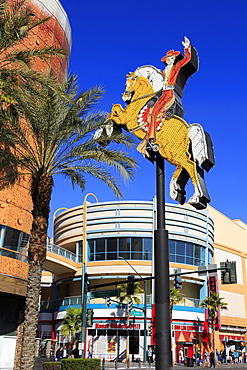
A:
59	260
13	254
61	251
63	303
190	302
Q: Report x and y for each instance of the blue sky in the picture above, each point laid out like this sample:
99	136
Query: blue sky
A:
111	38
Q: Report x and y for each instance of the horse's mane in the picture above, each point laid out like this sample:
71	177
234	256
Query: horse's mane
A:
153	75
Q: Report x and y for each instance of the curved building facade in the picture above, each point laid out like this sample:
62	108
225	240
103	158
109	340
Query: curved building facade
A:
114	240
15	202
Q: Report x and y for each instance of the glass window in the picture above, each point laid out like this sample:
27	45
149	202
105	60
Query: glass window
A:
111	248
111	244
141	249
197	251
122	333
136	255
180	248
147	245
101	332
111	332
124	244
11	239
202	256
100	257
90	244
100	245
172	246
124	248
189	250
111	256
172	258
136	244
189	260
180	259
209	257
184	252
80	252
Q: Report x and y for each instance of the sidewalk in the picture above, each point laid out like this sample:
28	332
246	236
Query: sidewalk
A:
136	366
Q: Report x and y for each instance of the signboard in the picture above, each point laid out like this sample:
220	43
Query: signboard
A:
154	112
105	293
205	270
136	313
80	345
111	345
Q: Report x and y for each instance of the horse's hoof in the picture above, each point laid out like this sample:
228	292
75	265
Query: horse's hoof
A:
194	199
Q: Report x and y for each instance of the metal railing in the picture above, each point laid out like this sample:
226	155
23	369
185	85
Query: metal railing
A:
13	254
68	301
76	300
190	302
61	251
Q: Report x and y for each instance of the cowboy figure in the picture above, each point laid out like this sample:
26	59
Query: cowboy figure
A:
174	63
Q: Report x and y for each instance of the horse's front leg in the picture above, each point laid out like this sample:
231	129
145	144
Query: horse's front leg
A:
117	114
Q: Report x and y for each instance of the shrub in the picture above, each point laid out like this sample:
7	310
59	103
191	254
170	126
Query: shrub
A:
80	364
52	366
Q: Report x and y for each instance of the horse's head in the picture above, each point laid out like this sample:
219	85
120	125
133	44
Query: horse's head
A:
130	87
136	86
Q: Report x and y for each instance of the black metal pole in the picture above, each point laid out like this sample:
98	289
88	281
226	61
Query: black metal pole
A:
161	271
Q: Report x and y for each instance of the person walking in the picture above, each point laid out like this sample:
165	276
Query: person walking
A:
59	354
181	356
212	359
150	355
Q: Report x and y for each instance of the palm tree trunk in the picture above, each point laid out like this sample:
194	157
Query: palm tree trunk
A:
31	316
41	194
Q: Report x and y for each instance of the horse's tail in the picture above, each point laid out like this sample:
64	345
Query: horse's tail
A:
202	146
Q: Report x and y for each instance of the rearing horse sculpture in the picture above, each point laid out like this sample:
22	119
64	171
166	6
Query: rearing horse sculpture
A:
186	146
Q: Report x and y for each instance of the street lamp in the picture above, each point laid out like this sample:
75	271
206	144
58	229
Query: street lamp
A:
83	275
144	309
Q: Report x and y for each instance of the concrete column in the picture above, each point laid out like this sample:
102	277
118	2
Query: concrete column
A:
55	346
37	347
48	348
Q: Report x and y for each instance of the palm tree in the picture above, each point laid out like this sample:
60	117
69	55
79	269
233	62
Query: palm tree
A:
214	303
175	298
125	297
55	139
16	61
71	323
129	298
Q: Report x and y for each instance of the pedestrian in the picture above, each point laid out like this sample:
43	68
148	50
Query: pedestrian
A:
212	359
75	351
236	354
217	355
59	353
199	358
150	355
206	358
64	352
89	354
224	356
69	352
181	356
